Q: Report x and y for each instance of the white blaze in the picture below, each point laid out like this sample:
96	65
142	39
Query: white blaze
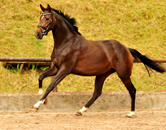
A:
42	17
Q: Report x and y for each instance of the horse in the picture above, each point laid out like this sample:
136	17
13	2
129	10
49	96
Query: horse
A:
74	54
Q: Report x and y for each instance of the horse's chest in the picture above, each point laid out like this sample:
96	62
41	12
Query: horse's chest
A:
57	59
60	55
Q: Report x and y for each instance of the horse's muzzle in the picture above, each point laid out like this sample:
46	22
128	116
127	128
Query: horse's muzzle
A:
38	35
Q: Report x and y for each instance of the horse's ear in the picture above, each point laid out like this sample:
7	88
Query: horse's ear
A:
48	7
42	8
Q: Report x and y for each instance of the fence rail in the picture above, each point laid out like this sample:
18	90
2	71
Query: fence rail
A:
42	61
159	60
25	59
39	61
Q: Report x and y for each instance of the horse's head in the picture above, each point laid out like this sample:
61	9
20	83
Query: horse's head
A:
47	22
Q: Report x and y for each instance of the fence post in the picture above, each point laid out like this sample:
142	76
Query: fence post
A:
21	68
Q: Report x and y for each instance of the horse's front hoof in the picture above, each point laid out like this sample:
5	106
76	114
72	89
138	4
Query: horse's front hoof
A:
45	102
78	114
34	109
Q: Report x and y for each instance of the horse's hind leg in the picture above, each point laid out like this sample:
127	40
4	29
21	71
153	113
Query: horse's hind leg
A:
97	92
132	91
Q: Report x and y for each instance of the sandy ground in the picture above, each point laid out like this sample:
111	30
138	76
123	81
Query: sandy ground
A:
91	120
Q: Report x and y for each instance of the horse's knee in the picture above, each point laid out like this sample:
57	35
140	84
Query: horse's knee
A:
41	77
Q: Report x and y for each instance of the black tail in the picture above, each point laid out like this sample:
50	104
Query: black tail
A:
146	61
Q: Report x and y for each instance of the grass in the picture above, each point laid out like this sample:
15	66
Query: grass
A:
138	24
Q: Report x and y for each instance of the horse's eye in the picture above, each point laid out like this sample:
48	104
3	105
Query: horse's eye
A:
47	19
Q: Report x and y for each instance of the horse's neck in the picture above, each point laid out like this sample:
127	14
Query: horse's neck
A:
62	34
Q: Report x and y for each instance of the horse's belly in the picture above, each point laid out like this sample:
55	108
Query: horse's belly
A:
91	68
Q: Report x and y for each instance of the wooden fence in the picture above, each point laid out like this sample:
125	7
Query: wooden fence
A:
41	61
45	62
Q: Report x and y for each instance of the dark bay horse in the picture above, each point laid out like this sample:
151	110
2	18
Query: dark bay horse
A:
73	54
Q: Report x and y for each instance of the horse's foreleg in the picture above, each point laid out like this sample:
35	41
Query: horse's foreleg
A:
97	92
62	73
36	106
51	72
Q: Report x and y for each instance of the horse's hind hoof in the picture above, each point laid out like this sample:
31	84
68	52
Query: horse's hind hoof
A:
128	116
78	114
131	115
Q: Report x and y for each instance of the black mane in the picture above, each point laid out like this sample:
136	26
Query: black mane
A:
72	21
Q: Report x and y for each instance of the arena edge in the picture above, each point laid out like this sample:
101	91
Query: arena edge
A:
73	101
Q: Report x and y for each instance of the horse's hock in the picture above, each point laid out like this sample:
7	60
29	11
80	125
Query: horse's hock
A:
74	101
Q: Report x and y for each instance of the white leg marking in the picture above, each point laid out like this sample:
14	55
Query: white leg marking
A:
131	114
83	109
39	103
40	91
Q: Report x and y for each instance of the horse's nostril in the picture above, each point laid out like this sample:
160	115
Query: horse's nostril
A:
37	34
